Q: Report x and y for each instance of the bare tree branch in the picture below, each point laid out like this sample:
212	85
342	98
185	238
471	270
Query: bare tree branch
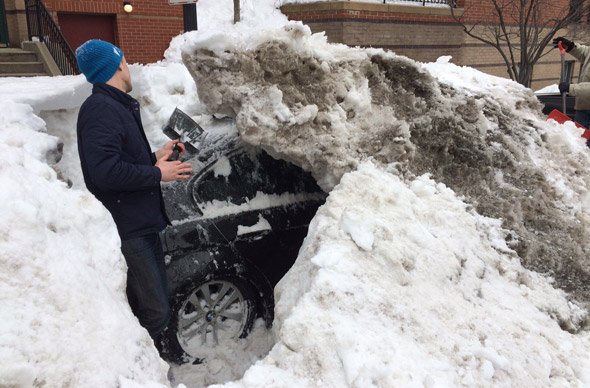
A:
521	30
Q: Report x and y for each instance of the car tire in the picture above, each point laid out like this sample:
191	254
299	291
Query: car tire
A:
207	311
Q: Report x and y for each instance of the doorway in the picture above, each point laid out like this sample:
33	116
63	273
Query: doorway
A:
77	28
3	26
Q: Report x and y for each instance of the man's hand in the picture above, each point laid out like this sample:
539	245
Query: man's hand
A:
173	170
568	44
169	147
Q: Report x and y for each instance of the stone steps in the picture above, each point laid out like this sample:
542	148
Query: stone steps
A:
5	75
21	67
20	63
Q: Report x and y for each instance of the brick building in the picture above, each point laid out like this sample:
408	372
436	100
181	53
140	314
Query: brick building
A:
143	34
420	32
423	33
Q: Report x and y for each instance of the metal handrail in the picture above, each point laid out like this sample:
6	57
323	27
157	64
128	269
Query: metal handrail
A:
42	27
452	3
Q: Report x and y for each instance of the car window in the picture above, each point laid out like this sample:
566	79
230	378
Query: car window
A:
241	176
285	177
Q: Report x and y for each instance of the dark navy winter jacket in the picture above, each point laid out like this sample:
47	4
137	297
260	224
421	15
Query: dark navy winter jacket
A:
117	162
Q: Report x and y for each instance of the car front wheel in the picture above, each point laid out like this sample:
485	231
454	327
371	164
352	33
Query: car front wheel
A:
208	313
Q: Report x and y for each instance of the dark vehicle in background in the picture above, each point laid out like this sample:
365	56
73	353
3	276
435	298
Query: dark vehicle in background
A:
237	226
554	101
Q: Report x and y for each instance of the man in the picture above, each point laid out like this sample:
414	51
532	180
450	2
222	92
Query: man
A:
581	90
122	172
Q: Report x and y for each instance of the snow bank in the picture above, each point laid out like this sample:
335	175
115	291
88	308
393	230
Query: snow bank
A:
403	284
329	107
64	318
43	93
215	21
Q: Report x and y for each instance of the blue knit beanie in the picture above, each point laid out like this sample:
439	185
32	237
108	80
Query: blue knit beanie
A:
98	60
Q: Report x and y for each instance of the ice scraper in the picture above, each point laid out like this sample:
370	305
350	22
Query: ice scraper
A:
182	126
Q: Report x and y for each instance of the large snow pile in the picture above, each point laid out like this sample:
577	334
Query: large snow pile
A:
442	181
64	317
329	107
402	284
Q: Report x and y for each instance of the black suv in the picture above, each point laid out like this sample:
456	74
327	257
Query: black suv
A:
553	101
237	226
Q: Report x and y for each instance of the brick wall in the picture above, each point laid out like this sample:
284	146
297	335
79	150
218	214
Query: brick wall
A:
481	10
377	12
421	33
143	35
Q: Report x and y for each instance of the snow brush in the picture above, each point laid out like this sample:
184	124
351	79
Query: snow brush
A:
562	118
555	114
563	76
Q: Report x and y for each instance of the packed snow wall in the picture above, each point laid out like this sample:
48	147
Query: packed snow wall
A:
329	107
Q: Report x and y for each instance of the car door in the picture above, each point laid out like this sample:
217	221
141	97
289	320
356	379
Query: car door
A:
257	204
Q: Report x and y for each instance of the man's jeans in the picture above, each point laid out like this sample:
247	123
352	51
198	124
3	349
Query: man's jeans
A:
583	117
147	287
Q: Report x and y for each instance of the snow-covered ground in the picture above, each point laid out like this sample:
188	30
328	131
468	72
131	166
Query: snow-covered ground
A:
443	182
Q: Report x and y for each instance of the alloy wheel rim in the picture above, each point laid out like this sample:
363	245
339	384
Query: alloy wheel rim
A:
213	312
